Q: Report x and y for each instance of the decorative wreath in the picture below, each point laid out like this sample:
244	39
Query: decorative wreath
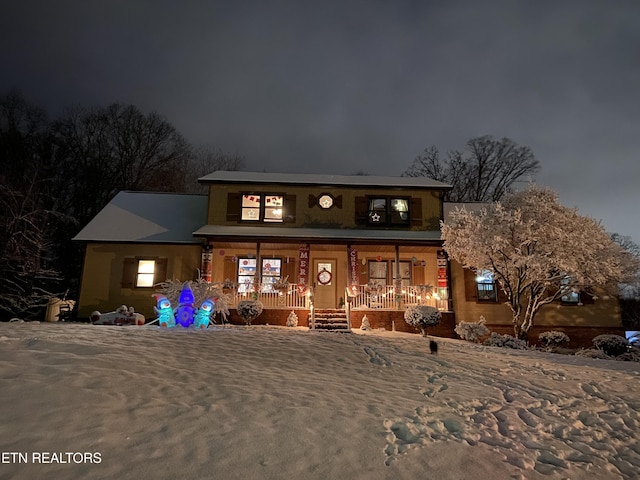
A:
328	276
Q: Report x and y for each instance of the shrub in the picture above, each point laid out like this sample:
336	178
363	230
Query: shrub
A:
249	310
592	353
365	324
611	344
472	331
292	319
421	317
553	338
505	341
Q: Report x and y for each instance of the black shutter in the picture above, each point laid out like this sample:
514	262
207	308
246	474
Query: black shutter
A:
361	210
129	270
161	270
234	206
289	208
586	298
416	211
470	286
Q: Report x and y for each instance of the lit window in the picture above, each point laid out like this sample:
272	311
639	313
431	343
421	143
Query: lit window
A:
246	274
486	285
378	272
399	210
325	201
378	210
251	207
405	273
388	211
258	207
271	271
273	208
146	272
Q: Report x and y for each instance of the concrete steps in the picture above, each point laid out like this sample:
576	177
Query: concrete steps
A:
334	320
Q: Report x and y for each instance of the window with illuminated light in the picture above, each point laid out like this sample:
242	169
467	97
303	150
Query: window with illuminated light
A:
388	211
270	273
261	207
143	271
486	286
405	273
146	273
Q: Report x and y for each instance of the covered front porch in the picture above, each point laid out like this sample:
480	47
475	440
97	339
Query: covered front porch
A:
355	279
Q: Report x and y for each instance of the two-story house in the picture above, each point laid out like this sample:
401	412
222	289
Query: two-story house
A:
364	245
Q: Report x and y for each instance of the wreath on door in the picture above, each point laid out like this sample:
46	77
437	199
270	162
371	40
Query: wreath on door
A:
324	277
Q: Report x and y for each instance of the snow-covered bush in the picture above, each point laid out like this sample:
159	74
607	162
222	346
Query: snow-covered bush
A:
365	324
472	331
553	338
592	353
630	356
421	317
505	341
292	319
249	310
611	344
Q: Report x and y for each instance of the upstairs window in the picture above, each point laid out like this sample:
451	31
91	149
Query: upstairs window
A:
388	211
251	207
378	210
273	208
399	211
260	208
486	286
266	208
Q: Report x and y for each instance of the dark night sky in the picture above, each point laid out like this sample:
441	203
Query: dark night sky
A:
343	86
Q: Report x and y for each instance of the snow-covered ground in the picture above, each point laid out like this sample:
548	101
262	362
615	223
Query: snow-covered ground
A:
286	403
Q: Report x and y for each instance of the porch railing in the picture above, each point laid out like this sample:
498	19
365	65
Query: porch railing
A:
289	298
387	298
363	297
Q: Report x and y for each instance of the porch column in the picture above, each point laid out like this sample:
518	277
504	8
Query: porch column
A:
258	268
397	284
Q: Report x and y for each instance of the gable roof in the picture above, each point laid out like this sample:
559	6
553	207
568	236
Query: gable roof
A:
148	217
223	176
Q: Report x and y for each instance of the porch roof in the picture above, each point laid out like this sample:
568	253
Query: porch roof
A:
318	235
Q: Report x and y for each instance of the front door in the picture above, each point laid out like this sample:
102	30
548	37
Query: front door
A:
324	282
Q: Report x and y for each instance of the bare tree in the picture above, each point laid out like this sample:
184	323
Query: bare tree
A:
29	222
629	290
483	172
105	150
205	160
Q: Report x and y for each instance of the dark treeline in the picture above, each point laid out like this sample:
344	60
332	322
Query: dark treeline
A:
57	174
